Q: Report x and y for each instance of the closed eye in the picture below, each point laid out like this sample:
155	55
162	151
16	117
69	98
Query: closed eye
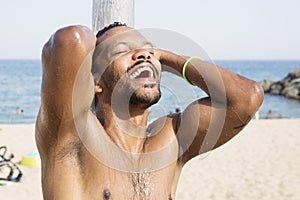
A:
151	51
120	49
149	47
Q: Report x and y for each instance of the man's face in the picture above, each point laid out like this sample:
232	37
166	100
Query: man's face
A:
132	70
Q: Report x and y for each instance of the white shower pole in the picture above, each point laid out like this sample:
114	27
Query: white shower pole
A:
106	12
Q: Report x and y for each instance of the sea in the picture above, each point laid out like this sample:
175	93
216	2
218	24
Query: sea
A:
20	83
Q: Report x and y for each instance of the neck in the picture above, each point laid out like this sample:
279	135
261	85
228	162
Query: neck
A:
125	126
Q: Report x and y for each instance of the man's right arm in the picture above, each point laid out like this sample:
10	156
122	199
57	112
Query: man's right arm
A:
66	61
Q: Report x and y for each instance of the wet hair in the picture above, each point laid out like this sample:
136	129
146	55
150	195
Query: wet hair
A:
110	26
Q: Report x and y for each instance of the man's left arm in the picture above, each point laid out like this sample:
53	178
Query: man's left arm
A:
210	122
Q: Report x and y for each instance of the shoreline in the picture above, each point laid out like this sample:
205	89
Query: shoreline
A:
262	162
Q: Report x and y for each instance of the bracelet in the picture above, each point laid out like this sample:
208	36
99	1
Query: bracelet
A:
185	66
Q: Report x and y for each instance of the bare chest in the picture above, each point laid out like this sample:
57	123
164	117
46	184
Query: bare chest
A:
102	182
97	169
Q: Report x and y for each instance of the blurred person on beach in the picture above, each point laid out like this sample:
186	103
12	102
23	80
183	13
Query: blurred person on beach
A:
92	131
279	116
19	111
269	114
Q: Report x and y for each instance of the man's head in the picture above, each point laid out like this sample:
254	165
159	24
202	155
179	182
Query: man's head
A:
124	63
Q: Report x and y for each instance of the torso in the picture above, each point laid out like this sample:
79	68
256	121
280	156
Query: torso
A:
72	171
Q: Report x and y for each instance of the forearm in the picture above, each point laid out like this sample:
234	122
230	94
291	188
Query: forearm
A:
221	85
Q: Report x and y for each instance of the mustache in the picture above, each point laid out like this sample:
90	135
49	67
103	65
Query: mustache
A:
139	62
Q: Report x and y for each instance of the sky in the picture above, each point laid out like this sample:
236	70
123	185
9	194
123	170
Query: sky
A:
225	29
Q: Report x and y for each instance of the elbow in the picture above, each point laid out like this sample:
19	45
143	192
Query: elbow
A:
255	98
72	36
248	100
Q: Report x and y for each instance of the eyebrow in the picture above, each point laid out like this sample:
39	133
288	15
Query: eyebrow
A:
119	43
127	44
148	43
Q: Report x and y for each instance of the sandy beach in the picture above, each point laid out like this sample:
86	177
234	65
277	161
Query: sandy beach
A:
262	162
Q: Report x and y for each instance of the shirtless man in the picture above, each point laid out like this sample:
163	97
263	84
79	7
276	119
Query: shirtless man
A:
114	154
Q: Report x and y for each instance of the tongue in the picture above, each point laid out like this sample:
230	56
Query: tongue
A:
144	74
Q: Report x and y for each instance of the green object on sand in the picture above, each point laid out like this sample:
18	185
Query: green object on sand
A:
5	183
2	184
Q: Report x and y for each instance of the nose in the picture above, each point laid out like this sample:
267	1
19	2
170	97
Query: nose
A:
141	54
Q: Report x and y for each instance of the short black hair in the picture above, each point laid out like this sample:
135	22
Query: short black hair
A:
110	26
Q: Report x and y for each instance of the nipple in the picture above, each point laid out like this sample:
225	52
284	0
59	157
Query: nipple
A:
106	194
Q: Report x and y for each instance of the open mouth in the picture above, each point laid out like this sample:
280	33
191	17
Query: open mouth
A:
142	71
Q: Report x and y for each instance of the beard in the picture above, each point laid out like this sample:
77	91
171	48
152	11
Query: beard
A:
142	96
145	99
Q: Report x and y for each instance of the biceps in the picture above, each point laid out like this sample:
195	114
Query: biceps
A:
66	68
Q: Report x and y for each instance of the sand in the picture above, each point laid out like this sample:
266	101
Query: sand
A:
19	140
262	162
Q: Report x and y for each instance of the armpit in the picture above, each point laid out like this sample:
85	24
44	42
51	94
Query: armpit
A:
71	152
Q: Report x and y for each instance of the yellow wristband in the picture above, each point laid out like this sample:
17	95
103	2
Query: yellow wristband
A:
185	66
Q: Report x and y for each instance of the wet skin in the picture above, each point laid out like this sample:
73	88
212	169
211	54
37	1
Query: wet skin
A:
114	154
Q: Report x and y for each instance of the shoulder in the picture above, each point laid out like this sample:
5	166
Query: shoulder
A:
167	123
162	132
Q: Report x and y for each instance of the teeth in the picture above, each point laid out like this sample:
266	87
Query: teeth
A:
140	70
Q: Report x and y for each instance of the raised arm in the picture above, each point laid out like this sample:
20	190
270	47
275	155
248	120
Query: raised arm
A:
210	122
66	62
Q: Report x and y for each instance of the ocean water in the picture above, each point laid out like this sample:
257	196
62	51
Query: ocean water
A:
273	70
20	82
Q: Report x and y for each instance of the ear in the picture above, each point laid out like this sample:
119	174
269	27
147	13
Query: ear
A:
98	88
